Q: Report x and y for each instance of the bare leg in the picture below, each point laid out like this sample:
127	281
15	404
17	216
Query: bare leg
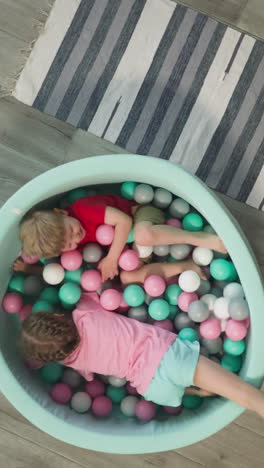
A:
151	234
214	378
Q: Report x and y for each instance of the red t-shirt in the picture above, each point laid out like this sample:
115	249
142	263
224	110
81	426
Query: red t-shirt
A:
90	211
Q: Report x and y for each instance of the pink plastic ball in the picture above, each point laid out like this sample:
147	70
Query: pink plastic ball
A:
91	280
105	234
130	389
61	393
71	260
174	222
25	311
210	329
235	330
145	410
12	302
165	324
185	299
173	410
95	388
129	260
29	260
110	299
102	406
123	305
246	321
32	364
154	285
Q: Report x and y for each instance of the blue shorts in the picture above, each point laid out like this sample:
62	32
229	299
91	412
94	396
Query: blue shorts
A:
174	373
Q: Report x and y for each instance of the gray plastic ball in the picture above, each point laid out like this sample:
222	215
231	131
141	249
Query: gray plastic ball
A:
233	290
213	346
238	308
71	378
182	320
204	287
198	311
161	250
180	251
33	285
139	313
209	228
216	292
162	198
179	208
204	351
143	194
81	402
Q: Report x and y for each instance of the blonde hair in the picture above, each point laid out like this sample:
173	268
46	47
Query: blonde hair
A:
42	234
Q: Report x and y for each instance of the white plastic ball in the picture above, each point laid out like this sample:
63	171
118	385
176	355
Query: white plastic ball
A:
209	299
161	250
180	251
139	313
143	194
202	256
71	378
223	324
221	306
33	285
162	198
189	281
128	405
81	402
233	290
143	251
117	381
92	252
53	273
179	208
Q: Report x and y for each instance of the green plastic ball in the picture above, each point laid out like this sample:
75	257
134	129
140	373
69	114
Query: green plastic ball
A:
70	293
42	306
16	284
221	269
44	260
172	293
192	401
134	295
116	394
50	294
188	334
192	222
174	310
74	276
171	259
233	276
235	348
231	363
67	306
159	309
128	189
75	194
51	372
130	236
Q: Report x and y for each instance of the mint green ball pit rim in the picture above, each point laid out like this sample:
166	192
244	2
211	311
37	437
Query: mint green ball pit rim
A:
25	391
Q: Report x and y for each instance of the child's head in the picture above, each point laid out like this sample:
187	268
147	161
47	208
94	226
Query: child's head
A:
48	337
48	233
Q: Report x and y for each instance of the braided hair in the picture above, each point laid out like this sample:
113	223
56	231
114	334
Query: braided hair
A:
48	337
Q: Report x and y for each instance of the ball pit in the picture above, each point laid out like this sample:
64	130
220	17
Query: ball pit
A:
93	430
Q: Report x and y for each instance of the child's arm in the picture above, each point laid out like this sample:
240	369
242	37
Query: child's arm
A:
20	265
122	224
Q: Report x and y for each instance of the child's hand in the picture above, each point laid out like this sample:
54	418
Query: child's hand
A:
108	267
20	265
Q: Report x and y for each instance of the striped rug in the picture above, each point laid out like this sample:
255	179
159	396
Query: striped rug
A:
158	79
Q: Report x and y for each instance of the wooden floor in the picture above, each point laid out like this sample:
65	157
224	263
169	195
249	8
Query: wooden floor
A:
32	142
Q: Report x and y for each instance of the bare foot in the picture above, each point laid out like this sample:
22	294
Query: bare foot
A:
190	265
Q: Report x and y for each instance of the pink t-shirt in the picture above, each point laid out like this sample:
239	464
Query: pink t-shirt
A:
112	344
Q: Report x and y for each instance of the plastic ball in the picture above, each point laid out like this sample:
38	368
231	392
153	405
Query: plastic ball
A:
235	348
180	251
50	294
210	329
130	389
33	285
192	222
143	194
129	260
179	208
116	381
216	291
128	405
192	401
143	251
81	402
75	194
30	260
139	313
209	299
174	310
124	307
202	256
165	324
213	346
173	410
220	269
16	284
71	260
130	236
221	308
53	273
233	290
70	293
159	309
162	198
33	364
174	222
145	410
74	276
12	302
51	372
71	378
42	306
25	311
238	308
91	280
235	330
92	252
185	299
116	394
189	281
105	285
102	406
61	393
172	294
154	285
204	288
246	322
105	234
134	295
182	320
95	388
188	334
198	311
161	250
231	363
209	228
128	189
110	299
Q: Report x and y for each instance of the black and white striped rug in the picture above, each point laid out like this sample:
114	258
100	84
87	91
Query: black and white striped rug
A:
158	79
